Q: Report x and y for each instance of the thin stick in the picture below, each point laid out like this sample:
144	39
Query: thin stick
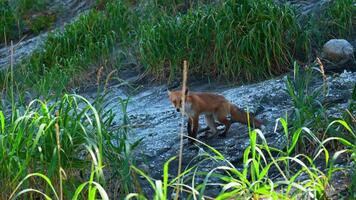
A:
5	37
325	83
185	74
12	81
59	157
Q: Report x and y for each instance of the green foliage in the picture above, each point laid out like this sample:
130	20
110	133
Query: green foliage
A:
340	18
13	16
353	184
8	21
265	172
336	21
165	6
244	40
31	138
310	105
66	55
25	7
307	101
41	22
170	7
237	39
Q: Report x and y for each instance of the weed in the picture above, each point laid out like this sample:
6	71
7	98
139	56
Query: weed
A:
13	15
40	22
340	18
307	101
8	21
242	40
83	44
58	139
261	176
337	20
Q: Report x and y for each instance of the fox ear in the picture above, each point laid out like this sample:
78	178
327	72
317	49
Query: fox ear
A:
168	92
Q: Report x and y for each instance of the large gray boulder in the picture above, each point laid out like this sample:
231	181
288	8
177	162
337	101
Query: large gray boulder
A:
338	51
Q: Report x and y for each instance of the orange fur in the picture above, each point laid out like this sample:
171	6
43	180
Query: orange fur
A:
213	106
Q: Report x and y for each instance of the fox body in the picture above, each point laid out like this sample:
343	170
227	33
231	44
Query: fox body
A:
215	108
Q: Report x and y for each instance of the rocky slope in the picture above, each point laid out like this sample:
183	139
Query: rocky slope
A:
66	11
156	120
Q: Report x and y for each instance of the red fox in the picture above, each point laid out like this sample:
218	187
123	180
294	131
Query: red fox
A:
213	106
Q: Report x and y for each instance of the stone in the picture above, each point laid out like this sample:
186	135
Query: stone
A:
338	51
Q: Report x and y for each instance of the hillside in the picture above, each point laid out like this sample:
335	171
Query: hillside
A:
85	113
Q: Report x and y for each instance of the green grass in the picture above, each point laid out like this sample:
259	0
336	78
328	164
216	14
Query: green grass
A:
153	8
265	172
310	106
240	40
96	155
69	57
8	20
61	139
341	18
309	110
15	16
25	7
336	21
236	40
40	22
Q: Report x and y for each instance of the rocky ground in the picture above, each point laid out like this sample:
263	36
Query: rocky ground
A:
155	119
66	11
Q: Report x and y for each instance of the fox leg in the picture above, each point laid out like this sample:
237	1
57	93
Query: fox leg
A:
211	124
189	127
193	133
227	124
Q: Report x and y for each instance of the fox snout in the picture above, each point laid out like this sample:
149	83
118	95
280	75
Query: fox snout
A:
178	110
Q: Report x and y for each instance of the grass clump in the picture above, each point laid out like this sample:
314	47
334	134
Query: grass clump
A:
15	17
84	46
40	22
61	140
244	40
337	20
265	172
308	89
8	21
307	100
340	19
169	7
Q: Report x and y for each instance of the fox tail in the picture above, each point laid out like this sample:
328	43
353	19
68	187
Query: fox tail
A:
239	115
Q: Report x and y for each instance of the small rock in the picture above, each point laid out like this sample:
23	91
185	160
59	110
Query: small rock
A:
338	51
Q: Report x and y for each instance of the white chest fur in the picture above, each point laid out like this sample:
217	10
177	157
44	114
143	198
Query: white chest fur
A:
188	109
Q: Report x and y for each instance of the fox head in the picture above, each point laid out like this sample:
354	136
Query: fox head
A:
176	98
